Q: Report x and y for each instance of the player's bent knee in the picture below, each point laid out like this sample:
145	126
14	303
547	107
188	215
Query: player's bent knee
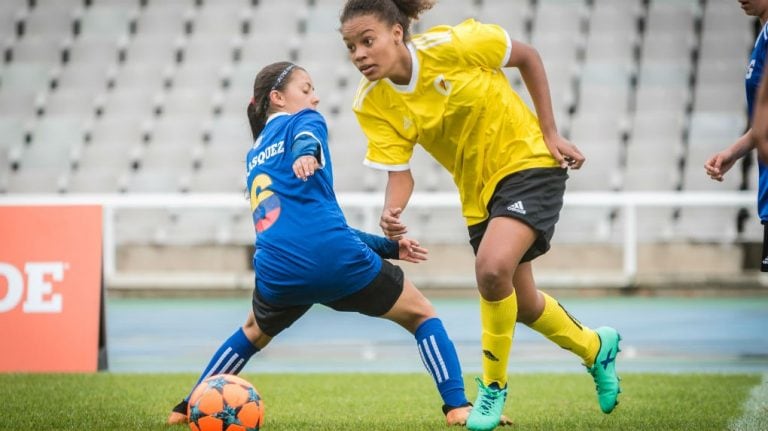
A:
254	334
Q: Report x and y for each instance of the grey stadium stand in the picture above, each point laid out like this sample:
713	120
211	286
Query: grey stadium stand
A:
128	96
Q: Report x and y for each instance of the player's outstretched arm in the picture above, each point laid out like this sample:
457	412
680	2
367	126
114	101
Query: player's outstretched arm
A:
411	251
527	59
720	163
405	249
398	193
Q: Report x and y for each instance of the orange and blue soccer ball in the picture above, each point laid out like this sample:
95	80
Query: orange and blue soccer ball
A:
225	403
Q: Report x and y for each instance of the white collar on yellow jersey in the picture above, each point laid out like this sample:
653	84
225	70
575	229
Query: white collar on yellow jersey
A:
414	73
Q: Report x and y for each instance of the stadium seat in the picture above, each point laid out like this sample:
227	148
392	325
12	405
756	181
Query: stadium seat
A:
676	16
53	18
446	12
175	144
436	225
106	21
46	161
512	15
653	224
599	137
141	226
71	100
723	97
221	19
661	174
225	180
427	173
197	226
164	18
725	17
276	18
320	19
668	47
21	84
673	101
322	48
713	71
98	178
614	17
264	48
583	225
152	51
566	16
11	132
189	101
604	46
709	134
348	146
728	45
10	12
42	49
661	125
710	225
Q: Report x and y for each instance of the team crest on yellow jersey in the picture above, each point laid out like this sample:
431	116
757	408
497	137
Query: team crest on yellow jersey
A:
443	86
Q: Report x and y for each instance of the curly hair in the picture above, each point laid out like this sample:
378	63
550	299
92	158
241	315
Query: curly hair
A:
390	11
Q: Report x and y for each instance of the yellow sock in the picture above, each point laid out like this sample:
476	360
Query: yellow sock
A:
564	330
498	324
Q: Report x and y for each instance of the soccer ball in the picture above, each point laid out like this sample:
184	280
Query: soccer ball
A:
225	402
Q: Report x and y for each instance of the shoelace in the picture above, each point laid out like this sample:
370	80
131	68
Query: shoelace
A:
488	398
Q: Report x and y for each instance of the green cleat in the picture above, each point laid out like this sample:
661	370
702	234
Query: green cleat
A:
603	371
486	413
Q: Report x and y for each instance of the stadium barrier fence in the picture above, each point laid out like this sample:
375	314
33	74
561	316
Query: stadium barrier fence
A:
370	205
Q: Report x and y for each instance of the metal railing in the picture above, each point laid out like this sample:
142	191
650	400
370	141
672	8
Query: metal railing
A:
370	205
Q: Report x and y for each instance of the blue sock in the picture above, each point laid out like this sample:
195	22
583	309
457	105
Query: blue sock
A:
231	357
440	358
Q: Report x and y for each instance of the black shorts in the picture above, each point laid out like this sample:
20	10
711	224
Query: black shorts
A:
375	299
534	196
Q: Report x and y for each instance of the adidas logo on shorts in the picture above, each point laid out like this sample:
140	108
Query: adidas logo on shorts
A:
517	207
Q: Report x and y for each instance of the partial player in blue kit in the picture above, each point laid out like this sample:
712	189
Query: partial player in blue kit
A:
717	166
307	254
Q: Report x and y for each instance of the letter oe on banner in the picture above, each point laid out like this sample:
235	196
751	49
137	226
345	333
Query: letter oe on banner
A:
51	302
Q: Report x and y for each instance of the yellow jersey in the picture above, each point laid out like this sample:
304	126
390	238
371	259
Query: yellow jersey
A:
460	107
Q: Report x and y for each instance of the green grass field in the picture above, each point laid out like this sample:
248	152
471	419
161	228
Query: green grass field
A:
109	401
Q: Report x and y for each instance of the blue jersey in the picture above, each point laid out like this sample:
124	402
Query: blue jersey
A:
754	74
305	251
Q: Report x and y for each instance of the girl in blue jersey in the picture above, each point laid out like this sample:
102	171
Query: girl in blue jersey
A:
720	163
307	254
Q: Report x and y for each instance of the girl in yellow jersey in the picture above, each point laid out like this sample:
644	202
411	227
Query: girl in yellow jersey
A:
445	90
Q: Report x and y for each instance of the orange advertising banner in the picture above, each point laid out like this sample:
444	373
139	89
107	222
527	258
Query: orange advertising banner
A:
50	288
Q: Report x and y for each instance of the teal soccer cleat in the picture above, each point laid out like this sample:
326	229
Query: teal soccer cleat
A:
603	371
486	413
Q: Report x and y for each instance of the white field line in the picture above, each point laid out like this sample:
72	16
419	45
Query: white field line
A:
755	416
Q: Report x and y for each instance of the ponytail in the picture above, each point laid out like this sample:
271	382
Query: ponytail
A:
257	125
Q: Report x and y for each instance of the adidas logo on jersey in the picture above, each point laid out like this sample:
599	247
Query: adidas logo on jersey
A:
517	207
